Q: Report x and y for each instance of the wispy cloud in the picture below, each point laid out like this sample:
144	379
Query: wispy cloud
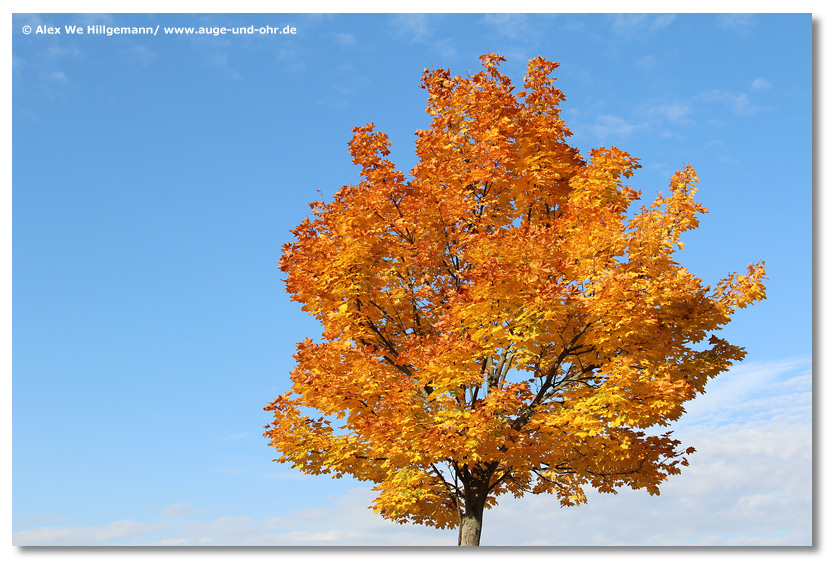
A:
738	103
179	510
346	521
56	78
418	29
53	52
779	392
741	24
45	68
609	126
290	58
444	48
93	19
512	26
48	518
746	485
749	483
234	437
675	112
412	26
221	61
647	61
639	26
346	39
141	54
760	84
666	116
128	530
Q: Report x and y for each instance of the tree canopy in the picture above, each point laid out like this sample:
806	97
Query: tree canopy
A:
498	322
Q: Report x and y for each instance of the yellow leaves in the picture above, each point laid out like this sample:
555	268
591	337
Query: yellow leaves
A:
742	290
497	311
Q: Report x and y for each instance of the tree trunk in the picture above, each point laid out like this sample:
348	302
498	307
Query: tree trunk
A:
475	489
469	533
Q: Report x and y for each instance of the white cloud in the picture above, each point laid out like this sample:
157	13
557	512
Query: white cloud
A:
638	26
662	21
56	77
179	510
647	61
141	54
760	84
44	70
444	48
220	60
98	535
413	26
54	52
290	58
674	112
659	114
33	20
770	391
509	25
347	520
92	19
749	483
739	103
608	126
234	437
417	28
741	24
346	39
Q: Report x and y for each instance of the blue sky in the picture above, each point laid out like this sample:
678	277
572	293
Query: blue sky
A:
156	178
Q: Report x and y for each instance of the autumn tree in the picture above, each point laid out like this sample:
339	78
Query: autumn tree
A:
497	322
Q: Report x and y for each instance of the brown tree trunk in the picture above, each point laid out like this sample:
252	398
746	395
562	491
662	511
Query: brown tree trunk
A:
476	486
469	533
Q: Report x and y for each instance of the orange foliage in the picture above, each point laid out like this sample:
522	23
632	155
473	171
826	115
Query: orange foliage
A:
496	322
